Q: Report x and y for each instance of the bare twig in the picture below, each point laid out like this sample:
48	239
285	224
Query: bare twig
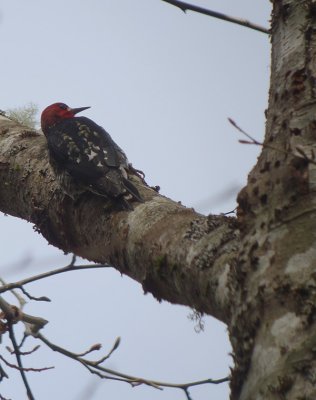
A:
18	367
112	378
10	312
95	368
3	374
253	140
94	347
19	361
73	260
268	146
67	268
25	336
186	6
27	294
13	314
36	323
187	393
20	299
115	346
23	353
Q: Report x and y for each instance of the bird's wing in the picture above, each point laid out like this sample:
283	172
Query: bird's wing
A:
84	148
114	156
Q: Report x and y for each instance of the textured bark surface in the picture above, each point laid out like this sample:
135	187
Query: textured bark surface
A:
273	327
175	253
257	273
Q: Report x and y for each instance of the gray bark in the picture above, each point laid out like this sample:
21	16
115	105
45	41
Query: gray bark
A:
175	253
273	326
255	272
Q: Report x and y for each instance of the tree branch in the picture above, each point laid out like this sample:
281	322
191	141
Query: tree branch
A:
19	361
13	314
19	284
95	368
175	253
243	22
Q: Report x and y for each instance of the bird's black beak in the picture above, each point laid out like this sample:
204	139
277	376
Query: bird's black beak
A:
78	110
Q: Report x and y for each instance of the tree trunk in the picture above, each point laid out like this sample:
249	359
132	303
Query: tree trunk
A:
255	272
273	325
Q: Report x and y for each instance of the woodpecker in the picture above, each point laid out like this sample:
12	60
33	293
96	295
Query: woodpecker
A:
84	157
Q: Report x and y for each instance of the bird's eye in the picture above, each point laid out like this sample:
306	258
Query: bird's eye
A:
63	106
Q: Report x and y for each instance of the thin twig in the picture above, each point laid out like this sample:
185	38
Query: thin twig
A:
29	369
20	299
99	370
243	22
10	312
19	361
115	346
27	294
25	336
36	323
67	268
112	378
187	393
23	353
268	146
13	314
243	132
73	261
3	374
94	347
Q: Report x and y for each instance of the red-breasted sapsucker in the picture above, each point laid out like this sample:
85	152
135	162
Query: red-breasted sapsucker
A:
84	157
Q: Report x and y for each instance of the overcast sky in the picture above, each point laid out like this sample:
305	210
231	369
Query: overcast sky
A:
162	83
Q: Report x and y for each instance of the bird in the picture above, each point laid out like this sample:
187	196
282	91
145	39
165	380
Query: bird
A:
84	157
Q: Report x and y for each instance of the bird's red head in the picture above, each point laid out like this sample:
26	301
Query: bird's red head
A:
57	112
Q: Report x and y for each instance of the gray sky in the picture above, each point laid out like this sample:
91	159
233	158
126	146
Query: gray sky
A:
162	83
